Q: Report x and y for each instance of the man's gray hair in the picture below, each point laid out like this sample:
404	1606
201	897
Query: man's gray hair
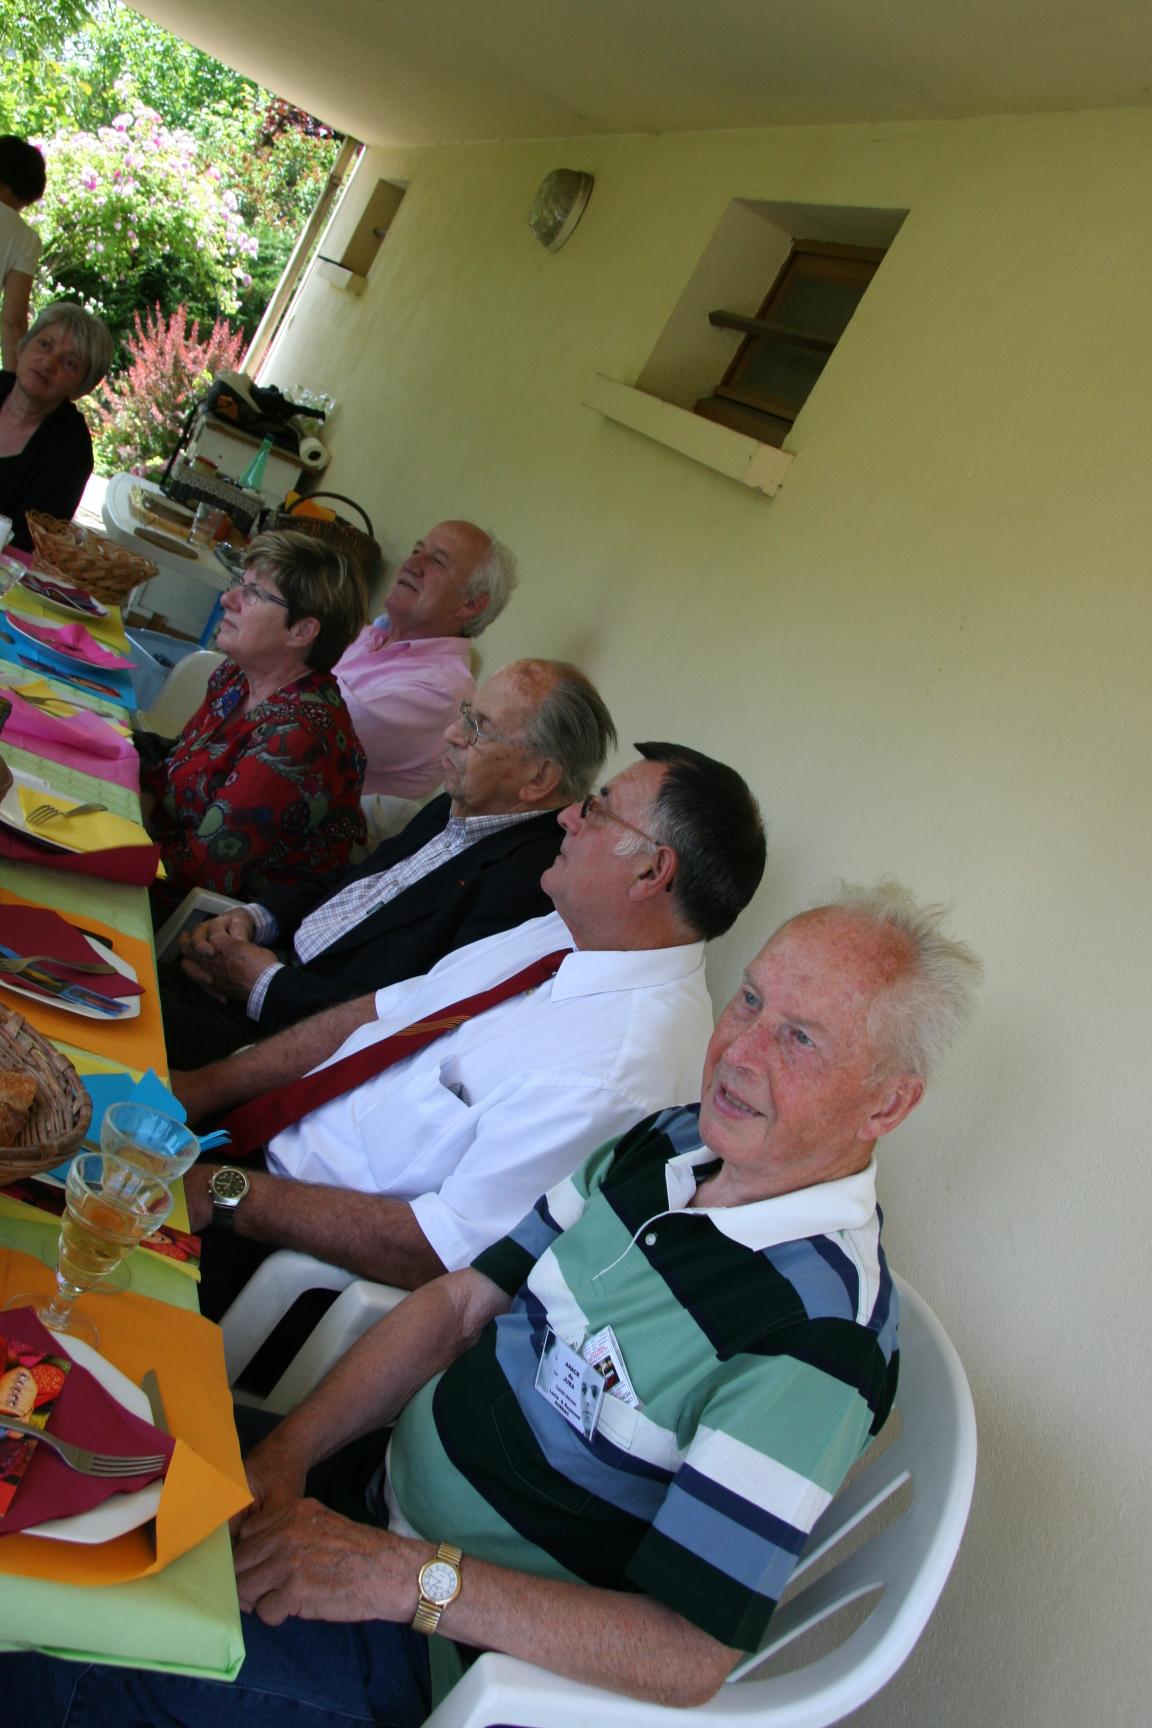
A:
571	726
494	576
915	1021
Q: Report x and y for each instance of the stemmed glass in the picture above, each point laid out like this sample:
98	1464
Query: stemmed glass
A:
110	1206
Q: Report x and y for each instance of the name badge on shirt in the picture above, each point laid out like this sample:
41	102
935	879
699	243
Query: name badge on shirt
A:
572	1386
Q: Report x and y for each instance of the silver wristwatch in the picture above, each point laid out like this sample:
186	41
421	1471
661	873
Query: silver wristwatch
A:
439	1583
227	1187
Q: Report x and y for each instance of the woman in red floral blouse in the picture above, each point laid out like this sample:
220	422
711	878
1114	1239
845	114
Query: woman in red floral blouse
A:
263	785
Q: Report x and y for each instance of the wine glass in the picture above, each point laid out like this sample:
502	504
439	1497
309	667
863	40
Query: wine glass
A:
110	1206
147	1138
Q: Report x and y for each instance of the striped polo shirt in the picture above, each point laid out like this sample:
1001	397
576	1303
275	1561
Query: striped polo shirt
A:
760	1341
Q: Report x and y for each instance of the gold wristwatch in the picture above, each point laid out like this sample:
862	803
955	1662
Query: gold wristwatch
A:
439	1583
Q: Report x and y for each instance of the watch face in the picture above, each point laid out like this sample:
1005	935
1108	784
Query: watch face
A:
229	1185
439	1581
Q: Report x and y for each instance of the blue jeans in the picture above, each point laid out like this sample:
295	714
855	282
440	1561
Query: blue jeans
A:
304	1674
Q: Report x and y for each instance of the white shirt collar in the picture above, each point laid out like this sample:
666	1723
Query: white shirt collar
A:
848	1203
592	971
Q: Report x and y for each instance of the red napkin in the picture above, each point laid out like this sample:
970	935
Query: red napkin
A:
88	1415
135	865
37	930
74	640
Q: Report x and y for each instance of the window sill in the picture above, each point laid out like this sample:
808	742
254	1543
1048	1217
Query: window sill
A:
760	467
340	276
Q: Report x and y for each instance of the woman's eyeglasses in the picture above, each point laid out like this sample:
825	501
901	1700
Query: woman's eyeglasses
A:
251	594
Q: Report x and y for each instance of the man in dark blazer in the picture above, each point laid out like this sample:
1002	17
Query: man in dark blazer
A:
468	865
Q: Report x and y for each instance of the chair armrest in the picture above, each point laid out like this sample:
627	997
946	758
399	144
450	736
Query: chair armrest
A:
358	1307
267	1296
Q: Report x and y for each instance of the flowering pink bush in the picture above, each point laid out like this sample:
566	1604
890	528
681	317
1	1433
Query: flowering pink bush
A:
137	416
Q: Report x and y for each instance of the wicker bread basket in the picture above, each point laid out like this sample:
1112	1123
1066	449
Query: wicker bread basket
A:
358	545
62	1112
81	555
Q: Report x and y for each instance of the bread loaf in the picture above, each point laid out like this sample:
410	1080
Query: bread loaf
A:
17	1096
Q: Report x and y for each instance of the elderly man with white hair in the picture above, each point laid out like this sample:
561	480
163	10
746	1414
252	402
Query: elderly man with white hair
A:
717	1270
406	674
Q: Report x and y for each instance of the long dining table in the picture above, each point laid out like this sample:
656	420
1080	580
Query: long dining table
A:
163	1595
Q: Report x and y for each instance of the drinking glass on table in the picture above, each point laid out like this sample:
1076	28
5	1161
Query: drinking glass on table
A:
149	1139
110	1206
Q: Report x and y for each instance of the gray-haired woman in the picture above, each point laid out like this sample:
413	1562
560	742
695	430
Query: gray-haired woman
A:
45	450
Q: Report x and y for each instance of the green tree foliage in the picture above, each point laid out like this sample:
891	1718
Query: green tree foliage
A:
72	72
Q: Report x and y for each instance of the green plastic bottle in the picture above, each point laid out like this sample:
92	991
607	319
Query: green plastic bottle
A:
253	476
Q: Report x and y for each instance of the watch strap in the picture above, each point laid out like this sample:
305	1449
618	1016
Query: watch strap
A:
427	1616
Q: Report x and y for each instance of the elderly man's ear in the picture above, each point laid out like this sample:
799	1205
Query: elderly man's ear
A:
543	785
897	1100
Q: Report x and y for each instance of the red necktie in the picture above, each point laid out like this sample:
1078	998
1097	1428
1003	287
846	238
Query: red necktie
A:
261	1119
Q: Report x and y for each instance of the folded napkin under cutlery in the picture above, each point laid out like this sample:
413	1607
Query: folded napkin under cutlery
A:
72	640
38	931
93	833
83	1413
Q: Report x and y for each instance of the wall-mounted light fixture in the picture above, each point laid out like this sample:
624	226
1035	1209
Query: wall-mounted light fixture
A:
558	206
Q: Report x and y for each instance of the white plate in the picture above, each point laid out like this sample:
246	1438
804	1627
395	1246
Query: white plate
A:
17	620
92	610
123	1512
12	815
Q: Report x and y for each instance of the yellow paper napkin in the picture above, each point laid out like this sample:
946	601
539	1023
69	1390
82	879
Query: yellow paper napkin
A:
94	833
40	691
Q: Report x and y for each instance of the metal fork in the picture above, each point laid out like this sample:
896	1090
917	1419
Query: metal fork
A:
48	812
79	1458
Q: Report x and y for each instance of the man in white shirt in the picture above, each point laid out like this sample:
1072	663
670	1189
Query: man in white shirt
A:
406	672
419	1168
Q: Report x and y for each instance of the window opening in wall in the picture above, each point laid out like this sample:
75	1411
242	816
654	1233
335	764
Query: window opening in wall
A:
788	345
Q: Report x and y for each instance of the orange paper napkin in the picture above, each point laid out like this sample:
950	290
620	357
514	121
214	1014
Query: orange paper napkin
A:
205	1484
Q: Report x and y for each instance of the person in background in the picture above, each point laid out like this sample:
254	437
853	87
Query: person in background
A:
466	866
406	674
22	182
263	785
45	450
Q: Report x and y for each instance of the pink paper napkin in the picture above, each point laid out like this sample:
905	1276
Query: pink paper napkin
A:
84	741
84	732
74	639
36	930
86	1414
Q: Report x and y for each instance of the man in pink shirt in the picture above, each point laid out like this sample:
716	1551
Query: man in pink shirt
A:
406	674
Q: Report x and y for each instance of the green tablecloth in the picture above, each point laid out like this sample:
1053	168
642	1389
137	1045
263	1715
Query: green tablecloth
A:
187	1617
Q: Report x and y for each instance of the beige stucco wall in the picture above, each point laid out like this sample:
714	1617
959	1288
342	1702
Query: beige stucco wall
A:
930	655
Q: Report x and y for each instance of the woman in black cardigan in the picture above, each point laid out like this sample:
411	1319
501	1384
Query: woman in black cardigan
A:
45	450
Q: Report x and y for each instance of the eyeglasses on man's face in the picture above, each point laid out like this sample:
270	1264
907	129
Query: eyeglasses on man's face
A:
597	806
253	595
478	731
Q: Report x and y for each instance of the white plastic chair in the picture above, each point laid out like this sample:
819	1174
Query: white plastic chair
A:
268	1295
180	695
903	1566
860	1556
